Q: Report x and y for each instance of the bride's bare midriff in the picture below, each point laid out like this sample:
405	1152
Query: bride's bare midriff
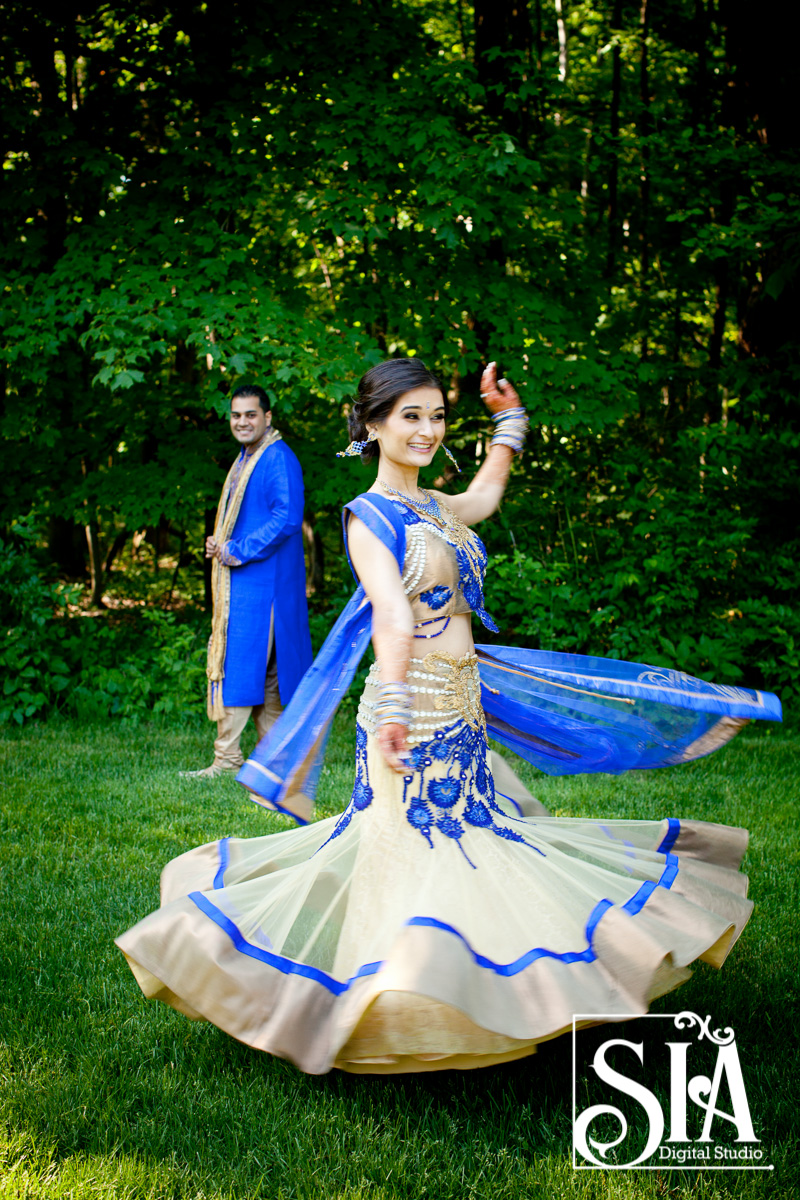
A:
456	639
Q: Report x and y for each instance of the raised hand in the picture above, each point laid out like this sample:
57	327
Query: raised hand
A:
497	394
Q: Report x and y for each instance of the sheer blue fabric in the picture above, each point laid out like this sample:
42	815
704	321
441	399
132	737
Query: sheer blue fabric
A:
570	713
566	714
284	768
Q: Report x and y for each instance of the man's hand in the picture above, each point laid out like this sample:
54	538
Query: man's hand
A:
392	741
213	548
497	394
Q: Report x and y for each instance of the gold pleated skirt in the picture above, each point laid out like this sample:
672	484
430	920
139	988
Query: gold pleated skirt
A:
435	923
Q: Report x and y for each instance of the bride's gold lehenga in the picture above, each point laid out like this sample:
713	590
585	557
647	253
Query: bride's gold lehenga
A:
444	919
432	924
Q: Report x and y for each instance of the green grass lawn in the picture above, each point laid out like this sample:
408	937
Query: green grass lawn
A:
106	1094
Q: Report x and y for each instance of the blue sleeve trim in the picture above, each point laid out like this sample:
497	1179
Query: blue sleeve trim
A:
381	518
288	966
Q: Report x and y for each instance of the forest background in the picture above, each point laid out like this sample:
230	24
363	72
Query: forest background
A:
603	197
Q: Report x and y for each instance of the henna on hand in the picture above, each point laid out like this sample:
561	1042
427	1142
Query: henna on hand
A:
497	394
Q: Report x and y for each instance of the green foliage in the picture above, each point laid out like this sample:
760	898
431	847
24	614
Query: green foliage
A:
161	671
149	664
663	562
199	195
33	668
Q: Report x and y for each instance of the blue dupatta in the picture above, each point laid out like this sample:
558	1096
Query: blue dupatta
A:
283	770
567	714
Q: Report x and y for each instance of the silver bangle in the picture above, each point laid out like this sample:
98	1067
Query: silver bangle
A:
511	426
394	705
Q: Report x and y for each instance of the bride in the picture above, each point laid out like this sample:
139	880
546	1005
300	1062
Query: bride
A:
443	919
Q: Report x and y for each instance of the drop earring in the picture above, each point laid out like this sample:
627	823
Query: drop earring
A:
451	456
358	447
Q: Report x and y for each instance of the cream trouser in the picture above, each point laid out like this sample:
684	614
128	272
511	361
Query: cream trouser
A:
227	752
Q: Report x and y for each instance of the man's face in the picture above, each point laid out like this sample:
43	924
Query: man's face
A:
248	420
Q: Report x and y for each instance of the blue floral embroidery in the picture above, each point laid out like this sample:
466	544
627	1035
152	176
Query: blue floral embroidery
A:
437	597
451	828
471	585
444	792
438	748
478	814
443	804
449	803
421	817
362	795
362	789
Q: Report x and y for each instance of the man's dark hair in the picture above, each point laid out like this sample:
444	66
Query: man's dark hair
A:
251	391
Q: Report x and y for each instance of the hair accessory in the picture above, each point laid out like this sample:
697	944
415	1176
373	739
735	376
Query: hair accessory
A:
357	447
511	426
452	457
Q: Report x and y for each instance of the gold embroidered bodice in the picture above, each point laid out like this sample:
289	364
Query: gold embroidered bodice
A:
431	574
443	566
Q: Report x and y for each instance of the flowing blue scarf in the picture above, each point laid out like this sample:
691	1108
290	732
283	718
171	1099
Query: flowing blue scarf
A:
567	714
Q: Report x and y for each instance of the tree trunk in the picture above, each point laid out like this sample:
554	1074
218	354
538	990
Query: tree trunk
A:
563	61
538	43
759	102
116	546
700	103
95	563
644	186
501	25
67	546
613	173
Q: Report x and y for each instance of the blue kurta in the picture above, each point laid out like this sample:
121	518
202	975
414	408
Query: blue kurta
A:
268	542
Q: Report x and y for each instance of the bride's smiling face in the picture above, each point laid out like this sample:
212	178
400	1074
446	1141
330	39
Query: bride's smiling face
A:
414	429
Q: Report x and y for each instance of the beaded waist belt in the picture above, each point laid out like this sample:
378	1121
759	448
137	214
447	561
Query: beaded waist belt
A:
444	688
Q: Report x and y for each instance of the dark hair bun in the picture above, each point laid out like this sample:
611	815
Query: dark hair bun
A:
378	392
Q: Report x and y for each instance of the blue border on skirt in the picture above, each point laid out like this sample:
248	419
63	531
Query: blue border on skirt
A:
288	966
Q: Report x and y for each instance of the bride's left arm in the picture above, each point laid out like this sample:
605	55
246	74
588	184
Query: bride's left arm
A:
484	494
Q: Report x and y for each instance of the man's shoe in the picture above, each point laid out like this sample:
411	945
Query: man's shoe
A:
212	772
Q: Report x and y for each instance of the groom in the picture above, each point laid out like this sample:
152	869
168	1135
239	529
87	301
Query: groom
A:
260	645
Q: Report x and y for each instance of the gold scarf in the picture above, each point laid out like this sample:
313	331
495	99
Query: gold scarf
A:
230	503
